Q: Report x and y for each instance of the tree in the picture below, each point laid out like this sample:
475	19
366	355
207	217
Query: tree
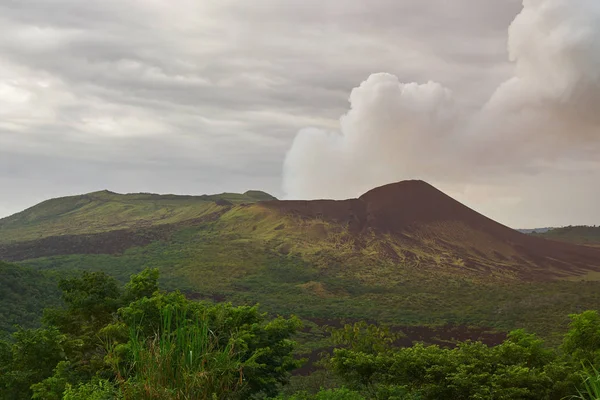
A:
144	284
31	358
363	337
91	303
582	341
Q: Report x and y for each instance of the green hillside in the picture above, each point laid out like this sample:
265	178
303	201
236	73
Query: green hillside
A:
107	211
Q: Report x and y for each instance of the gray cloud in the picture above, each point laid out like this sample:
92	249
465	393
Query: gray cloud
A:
193	97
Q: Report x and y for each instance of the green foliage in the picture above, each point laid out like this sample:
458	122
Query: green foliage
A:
183	360
30	358
520	368
142	285
262	347
583	339
96	390
591	384
6	372
154	345
24	292
312	383
363	337
91	303
52	387
331	394
138	342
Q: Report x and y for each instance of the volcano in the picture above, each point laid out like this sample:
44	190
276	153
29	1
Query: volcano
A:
415	214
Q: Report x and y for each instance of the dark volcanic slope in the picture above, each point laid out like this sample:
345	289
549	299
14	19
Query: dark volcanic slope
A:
410	207
394	208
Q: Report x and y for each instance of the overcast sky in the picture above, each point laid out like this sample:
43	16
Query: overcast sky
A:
193	97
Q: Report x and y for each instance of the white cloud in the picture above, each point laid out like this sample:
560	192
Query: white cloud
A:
383	138
537	124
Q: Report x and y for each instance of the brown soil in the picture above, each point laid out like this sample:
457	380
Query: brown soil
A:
414	207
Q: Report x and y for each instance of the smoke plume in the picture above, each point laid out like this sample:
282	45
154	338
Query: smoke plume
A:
547	112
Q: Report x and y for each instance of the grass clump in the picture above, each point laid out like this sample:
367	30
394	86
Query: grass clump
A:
182	361
591	384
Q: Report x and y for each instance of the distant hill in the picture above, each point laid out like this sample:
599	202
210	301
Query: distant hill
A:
535	230
588	235
107	211
404	253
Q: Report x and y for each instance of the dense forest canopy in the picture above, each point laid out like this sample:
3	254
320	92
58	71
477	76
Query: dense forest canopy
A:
108	341
24	293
